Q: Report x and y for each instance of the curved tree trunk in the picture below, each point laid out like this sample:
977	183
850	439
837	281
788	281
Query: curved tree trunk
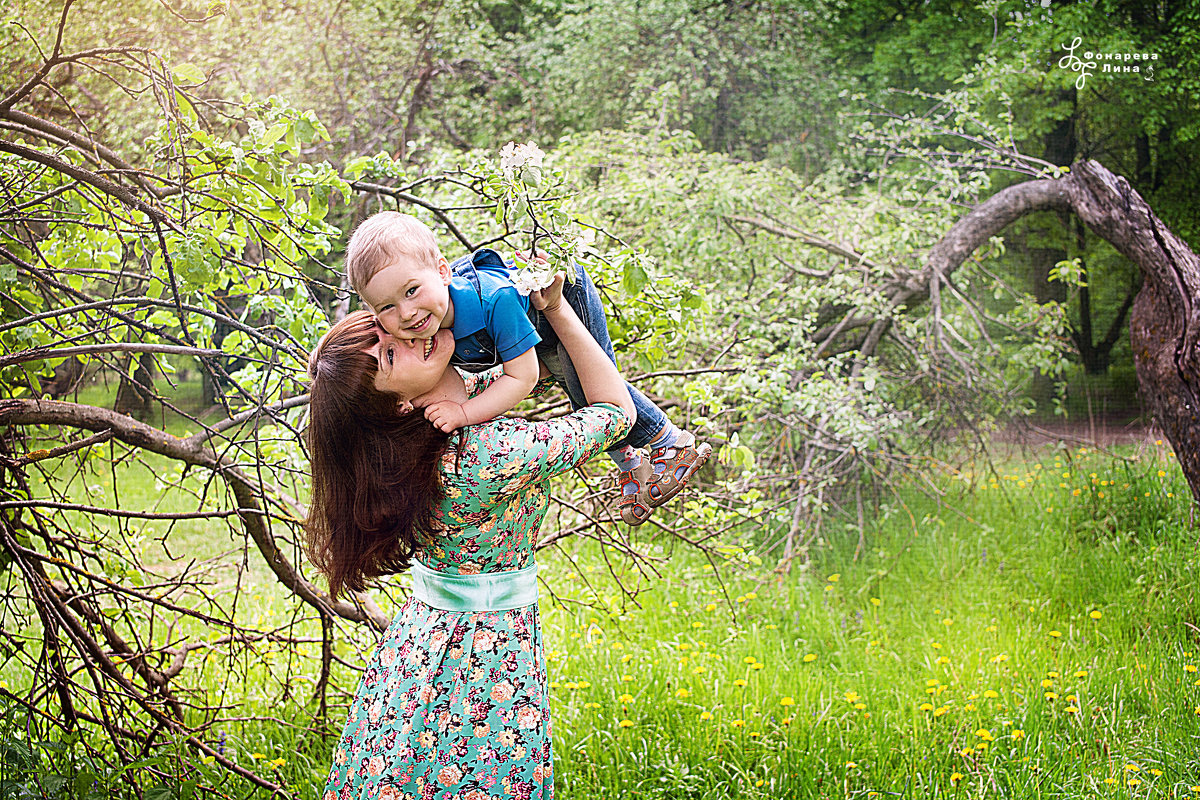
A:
1164	324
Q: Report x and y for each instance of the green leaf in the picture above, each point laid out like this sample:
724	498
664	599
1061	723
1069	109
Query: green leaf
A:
274	133
633	277
188	73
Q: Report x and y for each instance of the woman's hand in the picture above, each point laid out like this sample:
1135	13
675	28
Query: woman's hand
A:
549	299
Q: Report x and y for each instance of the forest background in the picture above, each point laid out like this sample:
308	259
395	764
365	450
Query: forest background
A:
757	187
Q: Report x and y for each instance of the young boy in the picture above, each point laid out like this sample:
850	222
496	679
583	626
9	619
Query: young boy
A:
394	264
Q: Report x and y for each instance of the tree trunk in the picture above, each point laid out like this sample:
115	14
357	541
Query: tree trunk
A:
1164	324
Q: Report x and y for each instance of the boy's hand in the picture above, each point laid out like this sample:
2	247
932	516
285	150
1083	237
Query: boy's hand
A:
550	298
446	415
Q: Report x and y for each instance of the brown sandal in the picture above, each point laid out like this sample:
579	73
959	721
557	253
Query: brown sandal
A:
680	462
632	506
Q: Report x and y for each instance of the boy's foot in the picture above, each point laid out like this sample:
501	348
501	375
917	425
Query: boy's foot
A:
633	505
672	466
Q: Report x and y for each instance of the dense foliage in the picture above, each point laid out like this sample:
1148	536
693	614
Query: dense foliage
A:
755	187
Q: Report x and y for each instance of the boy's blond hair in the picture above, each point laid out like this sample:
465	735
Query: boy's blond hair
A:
385	237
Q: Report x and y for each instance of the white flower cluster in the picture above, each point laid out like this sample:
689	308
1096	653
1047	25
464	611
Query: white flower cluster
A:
533	276
513	156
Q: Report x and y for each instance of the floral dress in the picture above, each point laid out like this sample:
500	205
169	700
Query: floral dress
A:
453	705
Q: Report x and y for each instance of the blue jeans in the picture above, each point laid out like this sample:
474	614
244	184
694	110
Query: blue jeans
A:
585	300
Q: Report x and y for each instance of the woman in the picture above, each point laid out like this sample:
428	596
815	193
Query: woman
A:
453	703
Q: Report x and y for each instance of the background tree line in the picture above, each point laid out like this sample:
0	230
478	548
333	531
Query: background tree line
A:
767	193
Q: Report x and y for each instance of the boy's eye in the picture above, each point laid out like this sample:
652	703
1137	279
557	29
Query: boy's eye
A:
412	290
390	356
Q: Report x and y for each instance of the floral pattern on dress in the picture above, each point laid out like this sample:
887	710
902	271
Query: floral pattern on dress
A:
453	705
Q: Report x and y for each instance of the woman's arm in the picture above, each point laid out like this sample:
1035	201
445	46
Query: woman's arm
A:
598	376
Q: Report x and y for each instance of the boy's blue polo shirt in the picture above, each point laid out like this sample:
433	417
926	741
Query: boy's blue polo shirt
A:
491	323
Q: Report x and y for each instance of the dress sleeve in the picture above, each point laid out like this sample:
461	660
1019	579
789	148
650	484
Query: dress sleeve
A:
476	382
513	453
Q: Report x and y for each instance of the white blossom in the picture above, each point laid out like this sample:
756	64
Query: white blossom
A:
532	277
513	156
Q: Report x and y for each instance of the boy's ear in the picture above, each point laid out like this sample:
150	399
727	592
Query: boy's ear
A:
444	270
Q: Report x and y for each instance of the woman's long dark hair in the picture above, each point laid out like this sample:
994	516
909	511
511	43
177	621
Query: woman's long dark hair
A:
375	472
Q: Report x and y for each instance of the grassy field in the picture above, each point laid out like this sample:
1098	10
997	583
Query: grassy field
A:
1029	633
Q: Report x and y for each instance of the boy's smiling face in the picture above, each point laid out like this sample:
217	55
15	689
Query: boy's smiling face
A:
409	299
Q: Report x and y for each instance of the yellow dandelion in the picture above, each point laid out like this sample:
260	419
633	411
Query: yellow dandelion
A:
835	577
1056	634
851	765
706	715
787	701
1081	673
738	723
926	706
625	723
683	693
625	698
809	658
875	601
991	693
955	777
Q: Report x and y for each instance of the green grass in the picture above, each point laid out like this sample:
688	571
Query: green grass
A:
1027	634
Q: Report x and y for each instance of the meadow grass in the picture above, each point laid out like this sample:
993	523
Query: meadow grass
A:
1027	635
1027	632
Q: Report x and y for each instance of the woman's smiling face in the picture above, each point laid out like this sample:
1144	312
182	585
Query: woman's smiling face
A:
410	368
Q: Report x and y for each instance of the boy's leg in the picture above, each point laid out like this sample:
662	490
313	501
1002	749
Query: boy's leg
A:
651	422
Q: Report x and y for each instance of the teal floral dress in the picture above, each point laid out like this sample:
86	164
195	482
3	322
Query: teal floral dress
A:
454	705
